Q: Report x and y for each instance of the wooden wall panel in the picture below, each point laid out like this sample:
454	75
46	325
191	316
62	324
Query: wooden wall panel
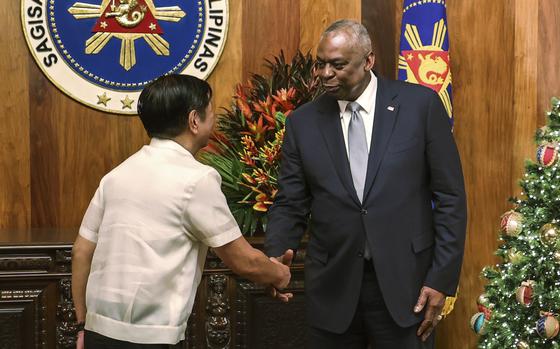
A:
385	38
316	15
45	166
268	27
229	70
548	48
525	115
72	147
111	140
482	56
15	210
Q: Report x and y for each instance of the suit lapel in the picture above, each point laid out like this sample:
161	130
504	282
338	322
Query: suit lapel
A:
332	133
386	111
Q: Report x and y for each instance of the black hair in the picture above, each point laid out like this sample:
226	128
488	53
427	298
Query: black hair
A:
164	103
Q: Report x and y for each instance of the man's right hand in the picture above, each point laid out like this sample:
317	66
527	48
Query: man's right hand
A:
284	261
254	265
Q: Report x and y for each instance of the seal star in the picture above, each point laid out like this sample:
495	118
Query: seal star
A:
127	102
103	99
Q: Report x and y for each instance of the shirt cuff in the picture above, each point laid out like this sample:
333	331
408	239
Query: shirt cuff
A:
224	238
88	234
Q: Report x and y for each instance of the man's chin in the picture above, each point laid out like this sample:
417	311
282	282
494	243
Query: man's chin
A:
336	93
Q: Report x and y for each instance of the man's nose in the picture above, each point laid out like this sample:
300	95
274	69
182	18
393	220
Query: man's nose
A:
327	72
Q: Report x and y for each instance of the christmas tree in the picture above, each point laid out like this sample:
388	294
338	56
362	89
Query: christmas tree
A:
521	302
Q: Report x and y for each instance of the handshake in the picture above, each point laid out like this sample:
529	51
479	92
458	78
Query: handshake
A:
252	264
282	263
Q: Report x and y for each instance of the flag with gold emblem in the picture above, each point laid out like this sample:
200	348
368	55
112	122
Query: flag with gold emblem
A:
424	49
424	58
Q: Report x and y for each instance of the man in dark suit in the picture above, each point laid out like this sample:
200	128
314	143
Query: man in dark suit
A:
371	170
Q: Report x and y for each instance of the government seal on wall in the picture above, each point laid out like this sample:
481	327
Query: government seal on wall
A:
103	52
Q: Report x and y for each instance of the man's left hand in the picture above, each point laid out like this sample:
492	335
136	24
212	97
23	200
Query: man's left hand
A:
434	301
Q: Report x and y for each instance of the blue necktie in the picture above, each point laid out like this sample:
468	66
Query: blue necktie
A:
358	155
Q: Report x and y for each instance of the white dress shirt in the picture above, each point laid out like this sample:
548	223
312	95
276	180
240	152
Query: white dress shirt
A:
367	101
152	218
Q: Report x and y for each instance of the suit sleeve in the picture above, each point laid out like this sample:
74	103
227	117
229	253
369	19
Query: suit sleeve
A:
288	216
448	192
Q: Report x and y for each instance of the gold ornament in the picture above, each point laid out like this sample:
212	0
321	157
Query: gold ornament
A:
543	130
514	256
549	234
522	345
557	256
483	300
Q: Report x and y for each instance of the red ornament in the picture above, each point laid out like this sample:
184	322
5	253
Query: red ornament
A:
511	223
547	154
524	293
484	306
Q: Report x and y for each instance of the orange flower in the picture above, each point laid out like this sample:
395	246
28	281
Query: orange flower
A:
257	129
249	145
260	176
279	136
267	109
284	98
247	159
239	91
244	107
248	178
270	153
263	202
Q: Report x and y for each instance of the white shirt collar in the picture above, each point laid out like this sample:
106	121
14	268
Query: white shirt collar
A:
169	144
366	100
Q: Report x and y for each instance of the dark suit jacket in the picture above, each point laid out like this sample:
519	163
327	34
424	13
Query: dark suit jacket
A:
413	160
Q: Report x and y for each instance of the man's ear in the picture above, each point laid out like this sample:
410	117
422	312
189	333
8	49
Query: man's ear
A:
193	121
370	61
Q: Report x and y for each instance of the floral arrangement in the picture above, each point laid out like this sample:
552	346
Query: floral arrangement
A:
245	148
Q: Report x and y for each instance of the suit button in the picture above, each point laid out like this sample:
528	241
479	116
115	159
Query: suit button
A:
364	212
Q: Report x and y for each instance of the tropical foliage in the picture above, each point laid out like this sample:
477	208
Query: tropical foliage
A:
245	148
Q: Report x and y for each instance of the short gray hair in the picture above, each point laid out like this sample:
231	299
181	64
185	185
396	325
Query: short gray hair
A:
356	30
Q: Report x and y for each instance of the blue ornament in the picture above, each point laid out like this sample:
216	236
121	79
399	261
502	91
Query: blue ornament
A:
477	323
547	326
